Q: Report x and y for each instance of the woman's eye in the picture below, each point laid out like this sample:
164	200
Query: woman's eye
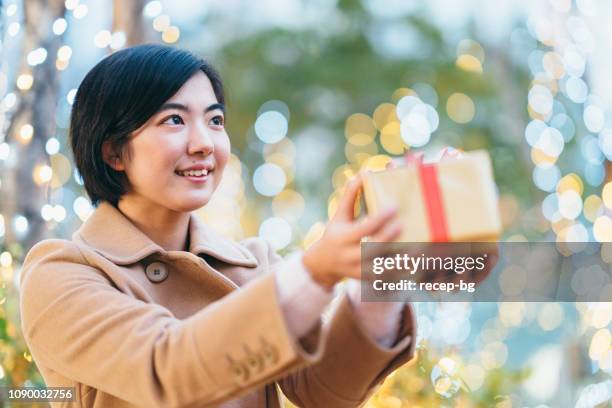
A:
173	120
217	121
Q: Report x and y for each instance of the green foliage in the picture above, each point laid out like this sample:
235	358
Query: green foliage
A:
335	73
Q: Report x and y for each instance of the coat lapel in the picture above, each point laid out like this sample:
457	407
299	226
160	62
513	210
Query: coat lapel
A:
111	234
205	240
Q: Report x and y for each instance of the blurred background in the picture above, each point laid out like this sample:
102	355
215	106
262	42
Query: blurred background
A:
318	90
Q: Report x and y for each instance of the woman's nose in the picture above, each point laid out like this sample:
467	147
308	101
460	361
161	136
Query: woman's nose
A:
200	142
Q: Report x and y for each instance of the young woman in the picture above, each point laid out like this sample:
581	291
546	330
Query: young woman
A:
148	307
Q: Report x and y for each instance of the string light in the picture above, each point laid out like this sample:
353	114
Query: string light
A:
10	100
64	53
171	34
59	26
161	22
42	174
21	224
118	40
80	11
11	9
13	28
61	65
25	133
25	82
6	259
52	146
71	95
152	9
566	64
82	208
103	39
59	213
37	56
460	108
71	4
469	63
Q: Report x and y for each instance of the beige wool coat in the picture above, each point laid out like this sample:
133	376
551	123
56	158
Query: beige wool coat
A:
129	324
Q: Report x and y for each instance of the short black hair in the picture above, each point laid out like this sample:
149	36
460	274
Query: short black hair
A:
117	97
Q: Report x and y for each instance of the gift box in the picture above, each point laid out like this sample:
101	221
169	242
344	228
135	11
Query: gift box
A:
448	201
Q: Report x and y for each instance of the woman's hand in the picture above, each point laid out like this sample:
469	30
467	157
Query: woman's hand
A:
337	254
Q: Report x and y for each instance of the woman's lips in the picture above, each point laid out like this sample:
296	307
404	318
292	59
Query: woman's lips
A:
191	176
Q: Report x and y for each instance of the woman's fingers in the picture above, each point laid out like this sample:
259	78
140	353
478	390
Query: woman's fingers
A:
389	232
373	223
450	152
346	205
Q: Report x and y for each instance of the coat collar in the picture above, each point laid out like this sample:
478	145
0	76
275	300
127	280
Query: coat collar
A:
111	234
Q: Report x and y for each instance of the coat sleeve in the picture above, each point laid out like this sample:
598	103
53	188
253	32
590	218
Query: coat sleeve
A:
352	365
78	324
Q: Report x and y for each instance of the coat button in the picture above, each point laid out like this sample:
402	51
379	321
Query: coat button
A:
254	361
156	272
269	353
240	372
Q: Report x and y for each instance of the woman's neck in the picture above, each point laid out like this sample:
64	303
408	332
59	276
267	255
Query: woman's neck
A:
165	227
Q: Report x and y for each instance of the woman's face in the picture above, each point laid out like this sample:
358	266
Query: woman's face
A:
177	158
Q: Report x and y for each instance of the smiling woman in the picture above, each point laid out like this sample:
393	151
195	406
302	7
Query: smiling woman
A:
167	154
158	112
146	306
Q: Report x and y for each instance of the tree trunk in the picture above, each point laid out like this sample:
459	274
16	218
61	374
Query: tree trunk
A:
128	17
36	106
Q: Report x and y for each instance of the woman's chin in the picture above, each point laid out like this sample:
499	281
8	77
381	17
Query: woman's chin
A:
189	202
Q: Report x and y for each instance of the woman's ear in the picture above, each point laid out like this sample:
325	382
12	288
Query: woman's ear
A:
110	156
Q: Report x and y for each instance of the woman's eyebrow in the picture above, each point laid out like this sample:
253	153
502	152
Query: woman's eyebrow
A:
215	106
181	107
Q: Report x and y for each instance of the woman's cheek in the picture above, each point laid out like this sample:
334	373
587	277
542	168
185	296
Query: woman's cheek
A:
222	151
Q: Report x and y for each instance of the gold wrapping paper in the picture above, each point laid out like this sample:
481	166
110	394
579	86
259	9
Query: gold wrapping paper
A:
467	191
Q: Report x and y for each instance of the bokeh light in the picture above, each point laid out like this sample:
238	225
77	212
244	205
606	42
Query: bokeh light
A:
277	231
460	108
271	126
429	77
269	179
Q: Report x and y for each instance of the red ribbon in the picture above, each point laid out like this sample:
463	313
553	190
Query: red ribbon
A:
432	196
